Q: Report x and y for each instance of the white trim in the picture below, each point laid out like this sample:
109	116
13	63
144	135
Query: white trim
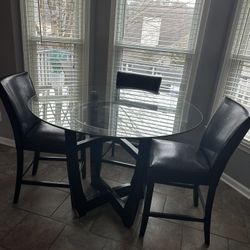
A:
223	73
7	142
196	57
112	27
236	185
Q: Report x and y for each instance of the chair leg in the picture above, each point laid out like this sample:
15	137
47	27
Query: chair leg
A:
146	210
83	162
113	149
35	162
19	174
196	195
208	213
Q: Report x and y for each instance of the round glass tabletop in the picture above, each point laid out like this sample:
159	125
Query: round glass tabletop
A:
121	118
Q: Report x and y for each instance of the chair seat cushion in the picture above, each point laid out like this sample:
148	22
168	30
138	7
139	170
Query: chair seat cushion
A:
177	162
44	137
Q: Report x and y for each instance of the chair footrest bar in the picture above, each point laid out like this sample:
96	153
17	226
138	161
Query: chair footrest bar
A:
177	184
46	183
176	216
124	164
52	158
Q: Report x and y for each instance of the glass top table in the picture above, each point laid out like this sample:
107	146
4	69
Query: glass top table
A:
120	119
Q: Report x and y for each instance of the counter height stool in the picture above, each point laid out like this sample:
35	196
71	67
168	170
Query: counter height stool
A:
30	133
179	164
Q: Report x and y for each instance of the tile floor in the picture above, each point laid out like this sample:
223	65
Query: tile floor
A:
43	218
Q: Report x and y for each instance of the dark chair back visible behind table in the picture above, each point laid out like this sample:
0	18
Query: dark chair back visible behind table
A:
30	133
148	83
126	80
183	165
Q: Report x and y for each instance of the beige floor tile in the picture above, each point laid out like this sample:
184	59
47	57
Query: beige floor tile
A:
158	202
109	225
234	245
9	218
180	201
74	238
160	235
41	200
34	232
194	239
51	171
66	215
230	231
114	245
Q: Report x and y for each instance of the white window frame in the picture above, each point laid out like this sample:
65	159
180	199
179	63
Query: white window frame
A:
223	75
83	41
60	83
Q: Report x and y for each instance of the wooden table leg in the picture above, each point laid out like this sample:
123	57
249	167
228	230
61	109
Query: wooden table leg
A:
96	162
137	183
78	199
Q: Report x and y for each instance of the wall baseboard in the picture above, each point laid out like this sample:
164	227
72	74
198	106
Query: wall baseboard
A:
7	142
225	178
236	185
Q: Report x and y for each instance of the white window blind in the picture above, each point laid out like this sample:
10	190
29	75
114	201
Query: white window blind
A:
235	77
53	35
157	37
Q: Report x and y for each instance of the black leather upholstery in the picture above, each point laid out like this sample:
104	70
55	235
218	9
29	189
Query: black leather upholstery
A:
45	138
19	89
228	121
178	162
136	81
184	165
36	135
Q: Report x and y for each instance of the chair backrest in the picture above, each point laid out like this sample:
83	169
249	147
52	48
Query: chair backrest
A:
15	91
226	129
148	83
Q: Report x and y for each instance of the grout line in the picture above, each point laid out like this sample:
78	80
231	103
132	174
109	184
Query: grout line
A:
13	228
57	236
59	205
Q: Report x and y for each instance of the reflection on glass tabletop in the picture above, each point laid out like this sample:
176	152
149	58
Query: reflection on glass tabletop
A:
119	118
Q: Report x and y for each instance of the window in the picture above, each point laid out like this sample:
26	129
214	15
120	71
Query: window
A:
158	37
235	77
150	31
53	35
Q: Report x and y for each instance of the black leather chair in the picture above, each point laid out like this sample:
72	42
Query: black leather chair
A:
183	165
30	133
126	80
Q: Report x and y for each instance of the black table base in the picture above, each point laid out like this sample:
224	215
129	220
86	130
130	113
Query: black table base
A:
126	208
